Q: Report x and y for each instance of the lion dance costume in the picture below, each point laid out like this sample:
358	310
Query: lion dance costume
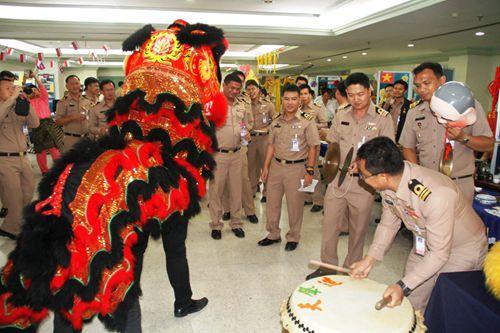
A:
77	253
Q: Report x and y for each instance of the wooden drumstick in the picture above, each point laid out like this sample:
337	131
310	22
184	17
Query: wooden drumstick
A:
329	266
382	303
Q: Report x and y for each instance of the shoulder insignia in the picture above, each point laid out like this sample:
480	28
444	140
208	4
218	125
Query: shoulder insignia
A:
277	116
306	115
415	104
381	111
419	189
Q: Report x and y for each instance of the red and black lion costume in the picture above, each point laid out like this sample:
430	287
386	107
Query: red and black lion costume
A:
78	249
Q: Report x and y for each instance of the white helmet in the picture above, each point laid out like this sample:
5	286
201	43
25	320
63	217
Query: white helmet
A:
454	102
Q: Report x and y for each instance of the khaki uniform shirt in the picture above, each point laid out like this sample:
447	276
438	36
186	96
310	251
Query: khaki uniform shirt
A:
12	138
92	101
301	128
229	134
69	106
423	133
431	206
349	132
318	113
263	114
97	119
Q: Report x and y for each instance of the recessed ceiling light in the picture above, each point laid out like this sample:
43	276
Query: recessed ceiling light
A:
480	33
364	53
344	57
328	59
411	45
454	14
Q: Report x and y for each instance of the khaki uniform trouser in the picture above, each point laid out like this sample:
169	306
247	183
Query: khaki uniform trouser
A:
18	184
69	142
355	206
247	194
227	172
466	185
256	155
284	179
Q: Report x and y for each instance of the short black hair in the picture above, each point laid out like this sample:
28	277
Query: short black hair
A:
341	89
264	91
103	82
251	83
7	76
90	80
306	86
120	83
69	77
403	83
291	88
327	90
239	73
389	85
303	78
358	78
381	155
433	66
232	77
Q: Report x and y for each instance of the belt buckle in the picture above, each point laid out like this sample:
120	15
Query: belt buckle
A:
22	153
283	161
230	151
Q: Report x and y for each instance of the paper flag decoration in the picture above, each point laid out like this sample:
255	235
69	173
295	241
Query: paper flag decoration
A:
58	52
105	47
22	58
75	45
40	65
40	56
2	56
80	60
52	64
9	51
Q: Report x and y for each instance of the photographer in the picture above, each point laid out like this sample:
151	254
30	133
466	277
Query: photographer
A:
45	136
16	175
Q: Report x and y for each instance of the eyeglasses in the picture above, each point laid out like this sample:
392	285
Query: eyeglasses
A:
365	178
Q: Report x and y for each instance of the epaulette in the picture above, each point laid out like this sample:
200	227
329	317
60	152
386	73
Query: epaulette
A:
306	115
381	111
277	116
416	103
419	189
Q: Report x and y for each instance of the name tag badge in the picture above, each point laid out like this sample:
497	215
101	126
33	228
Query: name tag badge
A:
264	119
295	144
420	245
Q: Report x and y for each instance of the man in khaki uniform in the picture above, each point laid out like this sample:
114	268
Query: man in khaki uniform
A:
97	115
72	113
229	162
319	114
424	137
91	91
351	128
263	114
449	235
293	143
399	107
16	176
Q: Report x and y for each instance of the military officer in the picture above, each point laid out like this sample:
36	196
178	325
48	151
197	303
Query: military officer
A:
449	236
424	137
72	113
91	91
351	128
97	115
229	162
399	107
290	157
16	176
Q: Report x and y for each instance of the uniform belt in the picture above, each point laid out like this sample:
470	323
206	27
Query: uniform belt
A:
289	162
229	151
461	177
73	134
22	153
258	134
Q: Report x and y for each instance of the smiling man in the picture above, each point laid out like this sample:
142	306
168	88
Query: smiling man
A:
448	235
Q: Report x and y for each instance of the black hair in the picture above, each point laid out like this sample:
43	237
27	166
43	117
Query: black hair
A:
7	75
239	73
103	82
403	83
291	88
327	90
341	89
90	80
306	86
433	66
232	77
358	78
389	85
301	78
252	83
381	155
120	83
69	77
264	91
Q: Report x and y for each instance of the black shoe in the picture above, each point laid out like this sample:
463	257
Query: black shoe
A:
253	218
320	272
307	203
263	199
216	234
195	306
239	232
316	208
266	241
290	246
377	221
7	234
226	216
3	212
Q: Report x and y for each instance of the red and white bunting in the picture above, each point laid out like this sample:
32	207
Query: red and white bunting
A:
40	56
40	65
80	60
105	48
52	63
22	58
75	45
61	69
65	63
94	57
9	51
58	52
2	56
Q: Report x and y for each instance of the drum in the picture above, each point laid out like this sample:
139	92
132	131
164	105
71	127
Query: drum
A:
341	304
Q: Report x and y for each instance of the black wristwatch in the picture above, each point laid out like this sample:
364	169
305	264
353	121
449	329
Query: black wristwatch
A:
465	140
406	289
310	170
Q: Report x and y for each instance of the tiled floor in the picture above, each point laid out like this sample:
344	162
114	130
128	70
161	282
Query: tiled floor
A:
245	283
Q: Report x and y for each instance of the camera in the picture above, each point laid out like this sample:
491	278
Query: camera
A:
22	107
28	90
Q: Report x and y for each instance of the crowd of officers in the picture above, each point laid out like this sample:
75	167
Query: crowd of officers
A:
280	148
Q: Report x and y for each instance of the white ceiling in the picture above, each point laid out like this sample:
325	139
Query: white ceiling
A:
384	36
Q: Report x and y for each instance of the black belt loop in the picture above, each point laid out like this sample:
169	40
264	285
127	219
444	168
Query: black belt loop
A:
22	153
75	135
461	177
229	151
289	162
